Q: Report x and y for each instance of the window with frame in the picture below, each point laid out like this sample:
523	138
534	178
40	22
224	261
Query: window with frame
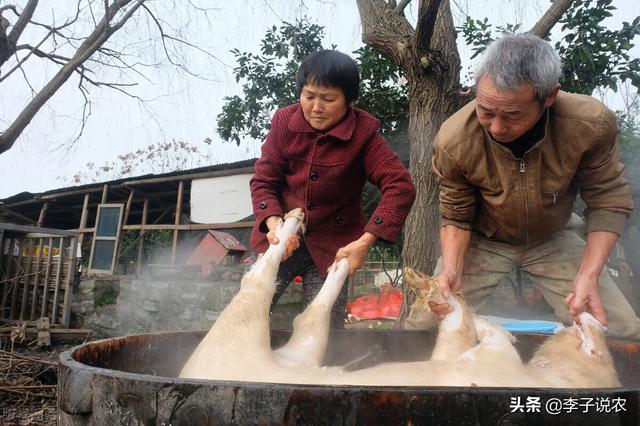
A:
104	246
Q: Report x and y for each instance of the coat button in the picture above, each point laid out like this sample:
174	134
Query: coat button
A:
313	176
321	142
263	205
311	206
378	220
339	220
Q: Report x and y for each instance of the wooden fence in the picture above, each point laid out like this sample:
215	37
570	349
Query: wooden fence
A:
38	269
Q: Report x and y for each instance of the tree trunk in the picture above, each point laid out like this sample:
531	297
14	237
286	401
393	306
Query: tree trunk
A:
429	107
435	94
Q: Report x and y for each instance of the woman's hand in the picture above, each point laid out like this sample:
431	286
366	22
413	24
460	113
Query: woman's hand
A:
293	242
356	252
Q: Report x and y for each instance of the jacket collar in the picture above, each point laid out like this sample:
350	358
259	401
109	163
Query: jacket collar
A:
543	136
343	131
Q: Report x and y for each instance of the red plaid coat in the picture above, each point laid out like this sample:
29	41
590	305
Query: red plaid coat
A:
324	173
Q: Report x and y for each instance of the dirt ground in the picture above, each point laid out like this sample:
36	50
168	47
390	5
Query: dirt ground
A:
28	380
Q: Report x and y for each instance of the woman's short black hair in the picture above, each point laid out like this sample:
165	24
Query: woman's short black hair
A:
330	68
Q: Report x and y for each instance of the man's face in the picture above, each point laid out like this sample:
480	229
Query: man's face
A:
322	106
508	114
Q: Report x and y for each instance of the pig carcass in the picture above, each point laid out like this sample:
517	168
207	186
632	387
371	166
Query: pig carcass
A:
469	351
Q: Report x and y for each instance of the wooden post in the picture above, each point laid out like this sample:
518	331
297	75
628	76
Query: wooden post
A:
2	240
125	219
127	208
16	280
54	310
105	191
27	281
145	211
174	246
68	282
36	281
47	277
43	212
4	266
83	218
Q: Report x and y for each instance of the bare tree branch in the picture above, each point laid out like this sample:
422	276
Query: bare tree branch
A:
399	9
427	15
115	27
8	42
25	58
177	40
58	59
86	110
90	53
550	18
386	30
22	21
26	79
9	7
56	30
89	46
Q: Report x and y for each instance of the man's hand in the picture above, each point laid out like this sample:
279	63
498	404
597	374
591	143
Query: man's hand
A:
585	297
356	252
293	242
449	281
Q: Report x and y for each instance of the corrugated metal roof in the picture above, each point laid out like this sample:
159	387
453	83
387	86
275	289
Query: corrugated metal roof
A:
224	166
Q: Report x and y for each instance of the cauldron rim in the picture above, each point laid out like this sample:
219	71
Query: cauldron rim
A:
67	360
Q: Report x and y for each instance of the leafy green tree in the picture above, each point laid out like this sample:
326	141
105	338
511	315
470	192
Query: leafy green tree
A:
592	55
268	79
268	82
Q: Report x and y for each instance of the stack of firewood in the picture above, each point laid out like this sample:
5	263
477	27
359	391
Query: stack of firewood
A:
28	375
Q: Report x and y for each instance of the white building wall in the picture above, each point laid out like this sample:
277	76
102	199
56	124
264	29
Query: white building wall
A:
222	199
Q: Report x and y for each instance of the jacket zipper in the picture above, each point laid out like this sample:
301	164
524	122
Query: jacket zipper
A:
523	172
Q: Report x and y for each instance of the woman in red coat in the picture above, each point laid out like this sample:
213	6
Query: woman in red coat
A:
318	155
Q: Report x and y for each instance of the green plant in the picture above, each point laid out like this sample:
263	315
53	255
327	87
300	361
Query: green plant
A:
593	56
268	82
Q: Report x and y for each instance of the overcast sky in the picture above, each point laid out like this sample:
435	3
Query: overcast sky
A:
179	106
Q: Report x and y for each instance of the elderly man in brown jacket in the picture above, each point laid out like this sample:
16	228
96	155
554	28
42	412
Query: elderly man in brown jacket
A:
510	165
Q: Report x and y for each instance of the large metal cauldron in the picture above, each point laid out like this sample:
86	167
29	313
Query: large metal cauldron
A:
132	381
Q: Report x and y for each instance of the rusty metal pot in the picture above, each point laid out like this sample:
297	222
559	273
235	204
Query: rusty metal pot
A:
132	380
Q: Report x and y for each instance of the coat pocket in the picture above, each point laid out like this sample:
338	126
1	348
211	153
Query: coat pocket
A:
553	192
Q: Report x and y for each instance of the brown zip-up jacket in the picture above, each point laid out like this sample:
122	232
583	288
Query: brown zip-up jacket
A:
484	188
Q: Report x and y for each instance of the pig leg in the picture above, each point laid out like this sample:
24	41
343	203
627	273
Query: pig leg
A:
494	340
239	339
308	343
266	267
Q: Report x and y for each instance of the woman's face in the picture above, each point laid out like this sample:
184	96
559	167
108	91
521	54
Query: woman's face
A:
323	106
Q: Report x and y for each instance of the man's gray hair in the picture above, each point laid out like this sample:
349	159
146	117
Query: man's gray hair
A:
517	59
